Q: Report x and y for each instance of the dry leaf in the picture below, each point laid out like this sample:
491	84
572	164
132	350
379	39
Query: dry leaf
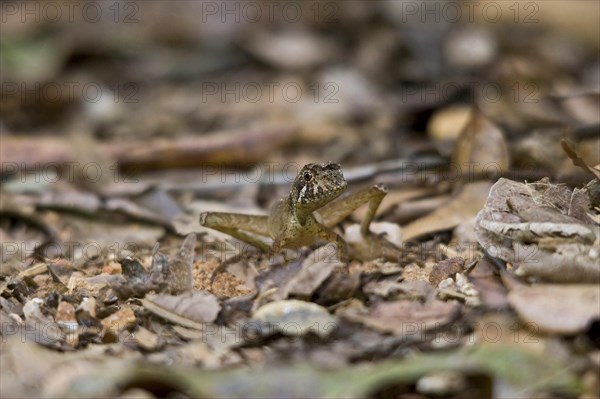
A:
340	286
445	269
117	322
187	309
492	292
578	161
315	269
480	148
180	267
446	124
296	318
136	281
405	317
557	309
459	209
145	339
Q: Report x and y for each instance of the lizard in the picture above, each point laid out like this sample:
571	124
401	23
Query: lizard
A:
310	211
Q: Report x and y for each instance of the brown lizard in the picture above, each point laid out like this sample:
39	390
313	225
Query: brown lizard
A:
309	212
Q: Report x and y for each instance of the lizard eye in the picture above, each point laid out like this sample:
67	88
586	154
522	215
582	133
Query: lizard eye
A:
307	176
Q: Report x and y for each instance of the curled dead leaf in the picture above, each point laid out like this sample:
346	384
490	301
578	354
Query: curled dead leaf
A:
189	309
533	226
180	267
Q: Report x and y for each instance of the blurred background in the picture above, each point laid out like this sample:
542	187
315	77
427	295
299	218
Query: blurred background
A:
171	84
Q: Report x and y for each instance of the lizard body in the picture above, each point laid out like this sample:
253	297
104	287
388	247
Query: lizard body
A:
309	212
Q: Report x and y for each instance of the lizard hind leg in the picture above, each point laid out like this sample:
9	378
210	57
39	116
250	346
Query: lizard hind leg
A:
341	245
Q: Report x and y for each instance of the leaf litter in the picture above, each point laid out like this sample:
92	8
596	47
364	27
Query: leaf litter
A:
482	277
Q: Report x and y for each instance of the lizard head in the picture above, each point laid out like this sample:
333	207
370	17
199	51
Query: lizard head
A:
316	185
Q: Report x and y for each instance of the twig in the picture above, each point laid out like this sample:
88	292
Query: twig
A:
220	148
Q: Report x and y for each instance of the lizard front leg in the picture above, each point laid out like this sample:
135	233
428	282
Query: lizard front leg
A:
237	224
336	211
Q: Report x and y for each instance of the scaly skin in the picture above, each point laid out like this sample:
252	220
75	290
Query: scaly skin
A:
309	212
